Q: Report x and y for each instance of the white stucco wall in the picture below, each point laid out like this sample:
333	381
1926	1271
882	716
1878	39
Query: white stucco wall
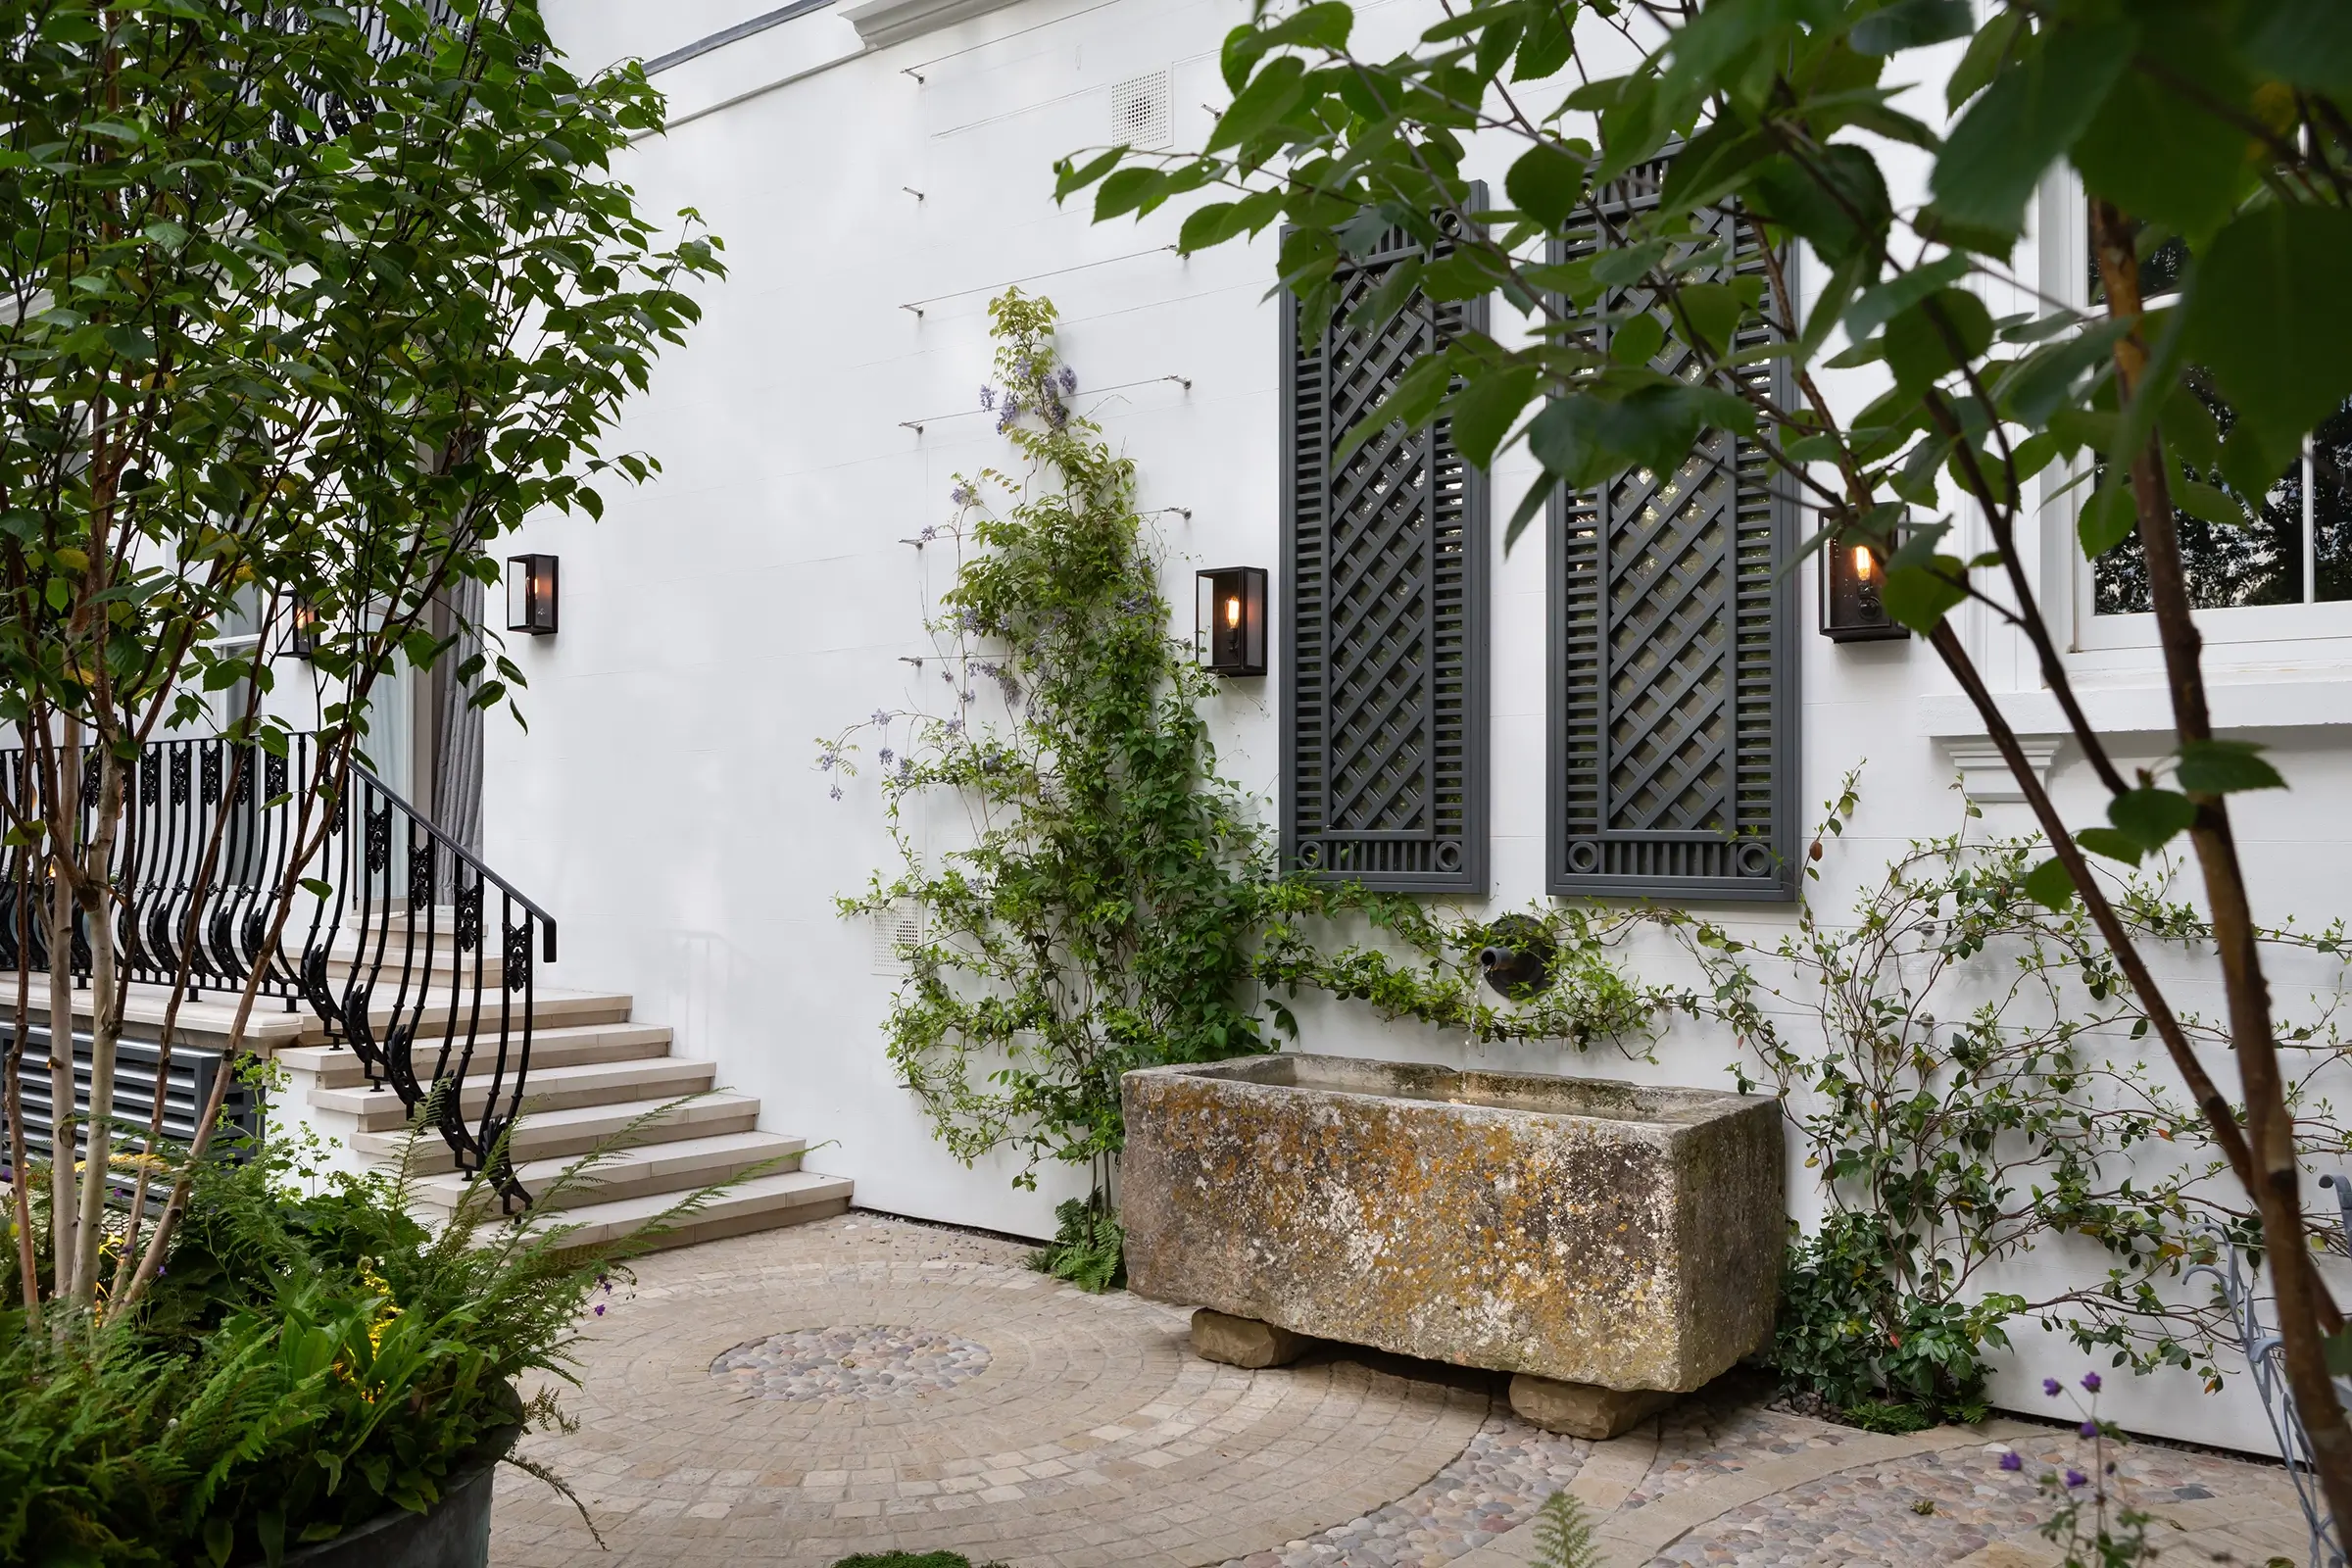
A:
759	593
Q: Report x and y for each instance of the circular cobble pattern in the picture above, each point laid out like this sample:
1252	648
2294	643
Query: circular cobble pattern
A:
1091	1435
860	1361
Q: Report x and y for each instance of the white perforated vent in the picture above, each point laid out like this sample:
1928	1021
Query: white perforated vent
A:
1139	111
895	929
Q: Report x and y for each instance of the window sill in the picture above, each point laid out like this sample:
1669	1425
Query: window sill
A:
2301	700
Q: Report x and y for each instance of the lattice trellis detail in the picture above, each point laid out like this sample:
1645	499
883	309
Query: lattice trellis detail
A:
1674	707
1383	643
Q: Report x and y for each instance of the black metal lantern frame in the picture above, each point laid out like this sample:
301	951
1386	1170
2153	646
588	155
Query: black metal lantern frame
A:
1853	574
302	629
531	595
1229	628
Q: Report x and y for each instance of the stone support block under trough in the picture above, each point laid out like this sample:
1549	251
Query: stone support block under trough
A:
1244	1341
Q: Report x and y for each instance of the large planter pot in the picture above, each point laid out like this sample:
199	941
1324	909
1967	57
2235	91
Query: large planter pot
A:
1580	1229
454	1533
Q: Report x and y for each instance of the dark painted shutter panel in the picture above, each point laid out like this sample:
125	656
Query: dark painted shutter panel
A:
1674	656
1383	635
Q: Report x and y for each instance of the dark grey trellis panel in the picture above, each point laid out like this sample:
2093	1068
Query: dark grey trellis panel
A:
1673	764
1384	640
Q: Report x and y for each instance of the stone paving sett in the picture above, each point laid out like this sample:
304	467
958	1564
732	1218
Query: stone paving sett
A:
794	1396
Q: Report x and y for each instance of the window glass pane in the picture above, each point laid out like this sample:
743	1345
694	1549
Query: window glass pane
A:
2226	567
2159	272
2332	506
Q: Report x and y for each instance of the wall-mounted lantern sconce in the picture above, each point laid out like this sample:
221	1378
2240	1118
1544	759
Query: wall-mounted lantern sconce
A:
531	593
1229	636
302	629
1851	610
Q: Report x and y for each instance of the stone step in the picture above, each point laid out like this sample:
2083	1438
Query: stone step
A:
676	1167
550	1010
589	1083
557	1134
389	965
335	1067
764	1202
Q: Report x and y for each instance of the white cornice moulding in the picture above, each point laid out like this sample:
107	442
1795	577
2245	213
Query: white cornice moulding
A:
887	22
1986	776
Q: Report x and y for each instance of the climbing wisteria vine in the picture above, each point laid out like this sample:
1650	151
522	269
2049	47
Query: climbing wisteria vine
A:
1098	915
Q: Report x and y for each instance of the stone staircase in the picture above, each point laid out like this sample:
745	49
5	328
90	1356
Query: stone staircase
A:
595	1076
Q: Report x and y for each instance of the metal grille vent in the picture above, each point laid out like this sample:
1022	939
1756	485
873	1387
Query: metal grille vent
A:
895	929
1385	653
1139	111
189	1086
1672	658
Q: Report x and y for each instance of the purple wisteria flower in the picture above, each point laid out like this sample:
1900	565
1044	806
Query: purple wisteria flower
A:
836	794
964	495
1067	380
1008	414
881	716
2012	1461
885	756
988	397
928	534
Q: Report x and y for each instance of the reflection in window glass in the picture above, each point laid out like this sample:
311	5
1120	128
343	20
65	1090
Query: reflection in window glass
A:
2226	567
2159	272
2332	508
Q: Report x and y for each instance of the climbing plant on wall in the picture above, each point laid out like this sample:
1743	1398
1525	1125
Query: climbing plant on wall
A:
1096	916
1962	1072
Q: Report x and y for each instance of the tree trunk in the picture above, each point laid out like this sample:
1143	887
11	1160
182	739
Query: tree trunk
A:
2270	1124
94	898
65	790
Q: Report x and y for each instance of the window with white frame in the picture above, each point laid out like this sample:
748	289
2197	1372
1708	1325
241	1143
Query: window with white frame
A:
2297	546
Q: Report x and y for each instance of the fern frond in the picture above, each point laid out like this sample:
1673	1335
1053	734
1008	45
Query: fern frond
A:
1564	1533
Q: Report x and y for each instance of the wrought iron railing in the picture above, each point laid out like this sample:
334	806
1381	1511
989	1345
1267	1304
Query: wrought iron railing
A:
416	956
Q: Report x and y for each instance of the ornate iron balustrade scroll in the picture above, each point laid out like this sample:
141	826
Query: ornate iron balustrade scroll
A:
414	955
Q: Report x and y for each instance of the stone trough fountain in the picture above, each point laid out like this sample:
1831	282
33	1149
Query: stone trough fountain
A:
1610	1243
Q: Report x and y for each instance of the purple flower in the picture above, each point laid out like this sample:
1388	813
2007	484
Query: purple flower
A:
2090	1429
962	495
2010	1462
880	717
600	1309
885	756
2076	1478
1067	380
2091	1381
928	534
2052	1386
836	792
953	726
988	397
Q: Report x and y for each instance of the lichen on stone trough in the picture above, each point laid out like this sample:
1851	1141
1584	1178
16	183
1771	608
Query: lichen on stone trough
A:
1582	1230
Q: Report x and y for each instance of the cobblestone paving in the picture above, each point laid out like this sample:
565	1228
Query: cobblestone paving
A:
861	1384
1497	1483
1872	1515
857	1362
1723	1432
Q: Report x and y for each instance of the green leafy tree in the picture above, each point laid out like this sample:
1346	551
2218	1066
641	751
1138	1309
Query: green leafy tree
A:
2220	123
300	310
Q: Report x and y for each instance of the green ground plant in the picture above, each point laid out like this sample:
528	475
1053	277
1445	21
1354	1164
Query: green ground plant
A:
308	1357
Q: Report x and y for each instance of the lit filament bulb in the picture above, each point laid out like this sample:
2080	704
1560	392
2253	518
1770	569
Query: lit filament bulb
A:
1232	613
1862	562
